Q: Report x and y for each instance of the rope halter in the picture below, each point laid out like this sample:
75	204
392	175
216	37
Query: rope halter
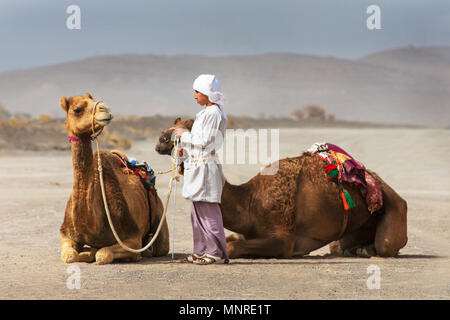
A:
95	134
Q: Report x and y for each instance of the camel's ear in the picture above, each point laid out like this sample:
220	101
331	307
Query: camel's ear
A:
89	95
64	103
177	120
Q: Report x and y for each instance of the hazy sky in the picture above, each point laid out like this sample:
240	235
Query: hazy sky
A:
34	32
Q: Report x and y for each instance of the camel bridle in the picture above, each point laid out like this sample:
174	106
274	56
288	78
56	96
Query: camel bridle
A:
94	110
102	185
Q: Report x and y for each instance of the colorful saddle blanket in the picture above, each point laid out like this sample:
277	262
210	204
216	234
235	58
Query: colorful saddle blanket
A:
341	167
141	170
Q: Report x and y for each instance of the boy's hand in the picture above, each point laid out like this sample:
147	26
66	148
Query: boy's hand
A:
180	131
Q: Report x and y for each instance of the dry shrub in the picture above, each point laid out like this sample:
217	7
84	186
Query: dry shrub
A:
125	143
310	112
13	123
314	112
131	118
298	114
44	118
17	123
118	141
230	122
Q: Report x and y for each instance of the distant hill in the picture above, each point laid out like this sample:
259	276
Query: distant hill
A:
406	85
4	114
427	61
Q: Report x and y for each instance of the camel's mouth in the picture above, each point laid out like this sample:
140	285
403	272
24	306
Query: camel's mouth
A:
103	119
103	115
162	150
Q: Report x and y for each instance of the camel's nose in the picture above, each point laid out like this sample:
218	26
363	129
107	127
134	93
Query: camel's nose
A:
103	115
103	108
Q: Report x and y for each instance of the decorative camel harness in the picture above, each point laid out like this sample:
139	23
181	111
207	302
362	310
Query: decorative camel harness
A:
100	172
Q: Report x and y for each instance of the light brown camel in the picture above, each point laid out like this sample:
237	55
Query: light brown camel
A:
135	212
298	210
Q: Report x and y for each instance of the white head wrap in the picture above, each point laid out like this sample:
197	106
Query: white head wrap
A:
210	86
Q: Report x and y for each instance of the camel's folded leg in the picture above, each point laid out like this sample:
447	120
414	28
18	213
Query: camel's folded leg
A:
391	234
162	243
69	250
235	237
384	233
261	247
304	245
352	243
109	254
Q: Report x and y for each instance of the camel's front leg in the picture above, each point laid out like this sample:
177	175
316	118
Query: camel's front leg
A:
261	247
69	250
109	254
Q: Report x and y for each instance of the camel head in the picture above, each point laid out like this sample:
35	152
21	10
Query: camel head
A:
165	141
79	111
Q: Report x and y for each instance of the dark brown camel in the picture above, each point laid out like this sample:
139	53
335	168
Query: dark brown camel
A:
134	211
298	210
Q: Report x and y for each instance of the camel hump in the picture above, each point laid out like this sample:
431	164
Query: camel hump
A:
340	167
120	154
142	170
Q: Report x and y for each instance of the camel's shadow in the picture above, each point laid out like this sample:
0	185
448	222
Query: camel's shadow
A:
325	259
419	256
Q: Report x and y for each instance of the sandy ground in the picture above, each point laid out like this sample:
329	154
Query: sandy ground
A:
34	188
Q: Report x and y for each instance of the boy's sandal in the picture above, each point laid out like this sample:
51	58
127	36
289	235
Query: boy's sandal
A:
207	259
191	258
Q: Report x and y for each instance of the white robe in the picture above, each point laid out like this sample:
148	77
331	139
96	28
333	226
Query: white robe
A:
203	176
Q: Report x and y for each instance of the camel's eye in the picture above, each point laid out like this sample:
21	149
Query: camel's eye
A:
77	110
